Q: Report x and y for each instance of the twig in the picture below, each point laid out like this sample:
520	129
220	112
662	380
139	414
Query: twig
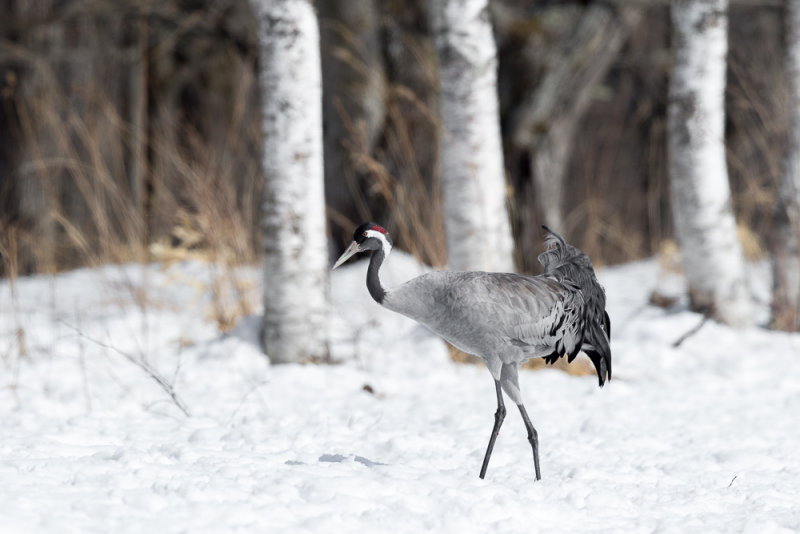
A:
677	343
168	389
244	398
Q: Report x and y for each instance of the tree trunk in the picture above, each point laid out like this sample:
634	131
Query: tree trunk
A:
700	193
296	267
786	241
547	121
472	176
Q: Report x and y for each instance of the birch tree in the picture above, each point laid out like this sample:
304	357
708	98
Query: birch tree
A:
711	253
295	279
472	174
786	242
546	123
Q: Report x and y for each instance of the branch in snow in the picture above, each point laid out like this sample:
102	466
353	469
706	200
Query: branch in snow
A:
695	329
166	386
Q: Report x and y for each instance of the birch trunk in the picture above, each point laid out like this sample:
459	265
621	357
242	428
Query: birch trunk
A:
295	279
786	247
700	193
472	175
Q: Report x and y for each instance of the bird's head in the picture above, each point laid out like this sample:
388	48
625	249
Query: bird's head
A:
368	236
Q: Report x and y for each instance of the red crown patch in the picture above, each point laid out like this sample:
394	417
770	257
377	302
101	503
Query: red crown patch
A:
380	229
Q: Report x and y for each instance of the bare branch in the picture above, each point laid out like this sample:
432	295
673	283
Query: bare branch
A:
166	386
692	331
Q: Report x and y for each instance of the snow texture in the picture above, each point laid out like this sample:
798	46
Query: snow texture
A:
695	439
472	175
705	227
294	202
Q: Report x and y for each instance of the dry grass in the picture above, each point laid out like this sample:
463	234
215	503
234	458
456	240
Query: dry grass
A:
77	184
413	200
752	243
580	366
202	186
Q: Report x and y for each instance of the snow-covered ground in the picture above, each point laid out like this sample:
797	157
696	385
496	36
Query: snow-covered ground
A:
699	438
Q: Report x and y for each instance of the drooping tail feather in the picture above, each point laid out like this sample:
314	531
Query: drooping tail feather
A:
572	267
600	351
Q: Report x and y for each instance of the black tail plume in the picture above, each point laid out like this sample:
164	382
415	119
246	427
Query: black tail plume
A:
599	350
573	268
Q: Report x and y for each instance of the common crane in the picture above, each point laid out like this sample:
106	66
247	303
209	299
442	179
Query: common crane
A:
504	318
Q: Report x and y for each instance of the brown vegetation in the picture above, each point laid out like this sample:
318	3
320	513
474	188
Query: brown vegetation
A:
123	124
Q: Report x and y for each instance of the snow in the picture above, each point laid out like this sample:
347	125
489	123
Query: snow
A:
698	438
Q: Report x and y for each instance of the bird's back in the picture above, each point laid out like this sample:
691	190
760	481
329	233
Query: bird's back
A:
511	316
515	317
570	266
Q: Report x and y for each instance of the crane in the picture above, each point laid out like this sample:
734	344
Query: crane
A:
503	318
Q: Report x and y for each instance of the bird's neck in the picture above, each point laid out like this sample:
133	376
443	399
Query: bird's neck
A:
373	282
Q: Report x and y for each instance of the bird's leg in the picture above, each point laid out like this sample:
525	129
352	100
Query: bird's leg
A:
499	415
533	438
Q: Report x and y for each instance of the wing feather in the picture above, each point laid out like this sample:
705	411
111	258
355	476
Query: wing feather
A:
534	311
480	311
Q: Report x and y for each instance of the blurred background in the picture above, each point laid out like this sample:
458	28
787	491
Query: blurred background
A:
131	130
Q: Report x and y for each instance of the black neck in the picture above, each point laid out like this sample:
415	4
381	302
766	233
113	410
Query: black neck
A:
373	283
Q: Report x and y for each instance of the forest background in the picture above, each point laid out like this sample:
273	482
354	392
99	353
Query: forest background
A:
132	130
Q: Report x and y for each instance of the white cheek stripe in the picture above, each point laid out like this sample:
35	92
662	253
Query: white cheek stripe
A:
386	246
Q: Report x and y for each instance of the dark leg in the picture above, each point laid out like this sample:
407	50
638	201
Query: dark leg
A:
499	415
533	438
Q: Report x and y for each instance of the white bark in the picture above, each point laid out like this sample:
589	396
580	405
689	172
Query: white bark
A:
296	268
700	193
473	179
786	253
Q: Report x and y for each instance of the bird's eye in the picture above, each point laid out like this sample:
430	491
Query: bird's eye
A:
364	234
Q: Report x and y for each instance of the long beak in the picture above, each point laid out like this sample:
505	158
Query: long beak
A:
351	250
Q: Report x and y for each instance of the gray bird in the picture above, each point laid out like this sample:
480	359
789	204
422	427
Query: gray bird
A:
504	318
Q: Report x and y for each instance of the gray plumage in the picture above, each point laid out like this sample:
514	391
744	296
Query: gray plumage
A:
504	318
